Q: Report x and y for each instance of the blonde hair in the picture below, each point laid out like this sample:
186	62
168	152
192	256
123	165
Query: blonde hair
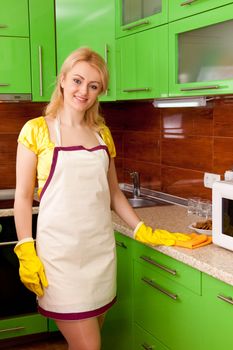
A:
92	116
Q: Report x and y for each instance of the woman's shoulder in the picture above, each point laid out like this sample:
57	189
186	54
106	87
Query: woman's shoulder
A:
34	133
106	135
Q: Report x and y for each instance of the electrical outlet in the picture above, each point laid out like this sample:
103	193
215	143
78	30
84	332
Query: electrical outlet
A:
210	178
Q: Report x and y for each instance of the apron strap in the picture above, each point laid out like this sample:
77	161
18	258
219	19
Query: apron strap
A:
58	131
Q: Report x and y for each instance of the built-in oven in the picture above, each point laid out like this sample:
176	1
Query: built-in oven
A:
15	298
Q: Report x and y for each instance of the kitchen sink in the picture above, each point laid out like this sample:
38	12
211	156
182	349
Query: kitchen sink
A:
142	202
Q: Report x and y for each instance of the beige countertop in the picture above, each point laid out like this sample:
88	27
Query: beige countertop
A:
211	259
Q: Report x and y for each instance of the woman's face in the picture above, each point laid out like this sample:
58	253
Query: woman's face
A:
81	86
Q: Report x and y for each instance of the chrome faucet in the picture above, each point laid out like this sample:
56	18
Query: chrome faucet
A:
136	183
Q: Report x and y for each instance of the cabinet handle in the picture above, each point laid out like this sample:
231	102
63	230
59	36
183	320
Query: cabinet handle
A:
146	346
188	2
121	244
13	329
40	69
136	25
8	243
156	286
227	299
150	261
201	88
106	51
2	26
4	84
135	90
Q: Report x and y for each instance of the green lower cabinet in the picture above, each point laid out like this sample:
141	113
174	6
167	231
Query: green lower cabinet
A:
24	325
217	314
145	341
166	309
117	328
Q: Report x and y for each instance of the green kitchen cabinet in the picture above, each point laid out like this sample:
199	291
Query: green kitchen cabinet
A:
42	49
15	66
117	328
144	340
167	299
142	65
133	16
217	314
23	325
14	18
88	24
184	8
200	57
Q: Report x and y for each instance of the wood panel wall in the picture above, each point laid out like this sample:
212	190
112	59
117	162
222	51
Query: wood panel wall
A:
171	148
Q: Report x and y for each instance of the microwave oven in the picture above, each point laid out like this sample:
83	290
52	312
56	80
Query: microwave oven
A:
222	214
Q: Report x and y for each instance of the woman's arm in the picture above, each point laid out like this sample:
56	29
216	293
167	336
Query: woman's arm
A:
119	203
26	163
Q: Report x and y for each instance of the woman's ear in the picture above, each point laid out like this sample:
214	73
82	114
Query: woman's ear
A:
62	81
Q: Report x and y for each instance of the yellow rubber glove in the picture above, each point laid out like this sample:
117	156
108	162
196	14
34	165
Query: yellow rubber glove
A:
145	234
31	269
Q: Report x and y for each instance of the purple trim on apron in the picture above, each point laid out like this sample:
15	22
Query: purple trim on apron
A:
76	315
69	148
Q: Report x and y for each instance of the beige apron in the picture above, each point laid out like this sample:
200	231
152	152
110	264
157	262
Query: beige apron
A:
75	239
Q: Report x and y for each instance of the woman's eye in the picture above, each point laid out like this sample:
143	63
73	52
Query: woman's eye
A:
94	87
77	81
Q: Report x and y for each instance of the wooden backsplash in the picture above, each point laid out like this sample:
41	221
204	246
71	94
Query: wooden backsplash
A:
171	148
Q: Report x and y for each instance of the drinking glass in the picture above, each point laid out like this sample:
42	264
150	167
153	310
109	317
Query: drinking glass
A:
193	203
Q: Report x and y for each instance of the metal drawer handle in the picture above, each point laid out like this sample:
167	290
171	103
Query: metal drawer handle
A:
3	26
227	299
188	2
137	89
40	69
136	25
121	244
13	329
156	286
8	243
146	346
212	87
4	84
164	268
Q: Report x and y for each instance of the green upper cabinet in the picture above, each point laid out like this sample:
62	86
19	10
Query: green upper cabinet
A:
43	55
142	65
200	57
184	8
90	24
15	66
133	16
14	18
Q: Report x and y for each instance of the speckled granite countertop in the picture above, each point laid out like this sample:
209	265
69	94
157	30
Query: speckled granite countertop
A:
211	259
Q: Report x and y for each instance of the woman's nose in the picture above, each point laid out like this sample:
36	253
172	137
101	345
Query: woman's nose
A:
84	89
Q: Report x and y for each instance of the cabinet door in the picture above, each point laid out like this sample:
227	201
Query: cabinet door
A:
42	40
15	66
87	24
184	8
142	65
133	16
14	18
166	309
117	329
200	57
19	326
144	340
217	314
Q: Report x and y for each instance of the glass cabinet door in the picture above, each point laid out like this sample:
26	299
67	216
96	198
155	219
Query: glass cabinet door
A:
201	59
137	15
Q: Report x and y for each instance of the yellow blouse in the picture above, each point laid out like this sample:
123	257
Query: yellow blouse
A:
35	136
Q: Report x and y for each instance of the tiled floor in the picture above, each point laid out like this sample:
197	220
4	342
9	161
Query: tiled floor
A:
53	344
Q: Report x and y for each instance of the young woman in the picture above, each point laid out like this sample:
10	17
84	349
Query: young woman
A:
71	153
